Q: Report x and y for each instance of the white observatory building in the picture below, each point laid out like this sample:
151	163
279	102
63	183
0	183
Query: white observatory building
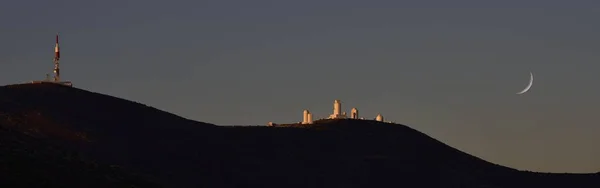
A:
379	117
307	117
337	111
354	113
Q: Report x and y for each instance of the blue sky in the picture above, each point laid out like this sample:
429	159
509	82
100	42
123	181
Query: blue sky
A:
447	68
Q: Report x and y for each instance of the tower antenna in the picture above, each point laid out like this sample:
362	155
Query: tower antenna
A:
56	61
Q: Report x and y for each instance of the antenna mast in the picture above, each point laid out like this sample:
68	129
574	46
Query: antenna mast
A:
56	61
56	71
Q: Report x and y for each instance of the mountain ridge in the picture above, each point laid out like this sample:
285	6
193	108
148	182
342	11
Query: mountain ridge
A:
180	152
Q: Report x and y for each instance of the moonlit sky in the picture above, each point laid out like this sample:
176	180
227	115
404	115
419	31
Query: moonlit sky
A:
449	69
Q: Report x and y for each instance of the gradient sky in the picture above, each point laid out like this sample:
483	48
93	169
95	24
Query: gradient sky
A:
447	68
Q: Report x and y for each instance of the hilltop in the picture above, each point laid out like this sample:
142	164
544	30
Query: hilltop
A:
110	130
150	145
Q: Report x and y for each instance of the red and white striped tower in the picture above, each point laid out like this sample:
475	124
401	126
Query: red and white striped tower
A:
56	59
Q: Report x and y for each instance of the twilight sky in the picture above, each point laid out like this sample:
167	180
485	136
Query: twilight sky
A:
447	68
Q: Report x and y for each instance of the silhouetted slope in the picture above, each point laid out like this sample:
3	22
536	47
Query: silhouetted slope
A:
364	153
183	153
112	130
29	162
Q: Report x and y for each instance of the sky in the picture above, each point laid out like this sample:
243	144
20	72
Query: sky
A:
449	69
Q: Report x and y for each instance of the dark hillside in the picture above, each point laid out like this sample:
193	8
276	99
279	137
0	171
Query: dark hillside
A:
29	162
365	153
113	130
181	153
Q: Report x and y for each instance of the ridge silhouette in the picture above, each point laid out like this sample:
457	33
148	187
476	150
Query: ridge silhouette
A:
158	148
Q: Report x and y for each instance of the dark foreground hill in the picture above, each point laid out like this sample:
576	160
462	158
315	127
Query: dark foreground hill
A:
29	162
154	146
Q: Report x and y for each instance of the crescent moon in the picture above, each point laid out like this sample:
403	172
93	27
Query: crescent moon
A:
528	86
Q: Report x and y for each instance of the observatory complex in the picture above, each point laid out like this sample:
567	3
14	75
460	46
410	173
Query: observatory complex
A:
307	117
337	114
56	78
